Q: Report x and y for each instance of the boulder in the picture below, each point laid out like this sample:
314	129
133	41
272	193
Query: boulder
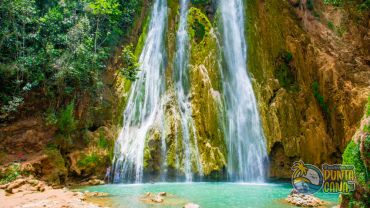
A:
191	205
93	182
303	200
157	199
162	194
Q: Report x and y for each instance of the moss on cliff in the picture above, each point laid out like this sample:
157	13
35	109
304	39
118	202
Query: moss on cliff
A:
199	25
205	86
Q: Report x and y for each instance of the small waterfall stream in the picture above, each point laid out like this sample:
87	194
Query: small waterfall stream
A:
244	135
182	88
144	107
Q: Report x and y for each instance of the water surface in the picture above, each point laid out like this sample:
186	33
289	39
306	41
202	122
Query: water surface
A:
207	195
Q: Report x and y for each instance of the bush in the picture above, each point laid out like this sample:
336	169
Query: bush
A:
66	121
130	63
352	156
67	125
90	160
10	174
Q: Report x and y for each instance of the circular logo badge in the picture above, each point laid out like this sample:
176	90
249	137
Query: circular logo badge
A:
306	178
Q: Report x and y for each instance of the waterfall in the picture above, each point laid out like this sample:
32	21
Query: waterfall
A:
144	115
144	108
182	88
244	135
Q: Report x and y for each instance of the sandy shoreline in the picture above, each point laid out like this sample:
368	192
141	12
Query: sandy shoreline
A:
30	193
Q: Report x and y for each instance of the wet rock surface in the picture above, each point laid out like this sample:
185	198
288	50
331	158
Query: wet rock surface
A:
303	200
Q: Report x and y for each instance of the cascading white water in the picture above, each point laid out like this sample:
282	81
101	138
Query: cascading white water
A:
244	135
144	111
182	88
144	107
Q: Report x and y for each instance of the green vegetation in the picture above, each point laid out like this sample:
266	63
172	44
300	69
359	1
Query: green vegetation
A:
66	121
284	71
333	2
58	171
362	5
54	155
199	24
331	25
367	129
310	5
67	125
199	30
57	49
10	174
320	98
90	160
367	132
352	156
103	143
130	63
365	5
199	1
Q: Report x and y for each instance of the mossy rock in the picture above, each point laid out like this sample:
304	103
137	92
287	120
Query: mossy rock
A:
54	168
205	81
198	24
152	152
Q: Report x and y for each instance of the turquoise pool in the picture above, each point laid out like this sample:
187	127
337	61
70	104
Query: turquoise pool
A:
207	195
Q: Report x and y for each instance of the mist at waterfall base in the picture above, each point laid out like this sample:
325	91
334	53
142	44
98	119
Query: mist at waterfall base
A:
144	112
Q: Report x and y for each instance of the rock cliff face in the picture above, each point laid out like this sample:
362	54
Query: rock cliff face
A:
310	64
310	69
